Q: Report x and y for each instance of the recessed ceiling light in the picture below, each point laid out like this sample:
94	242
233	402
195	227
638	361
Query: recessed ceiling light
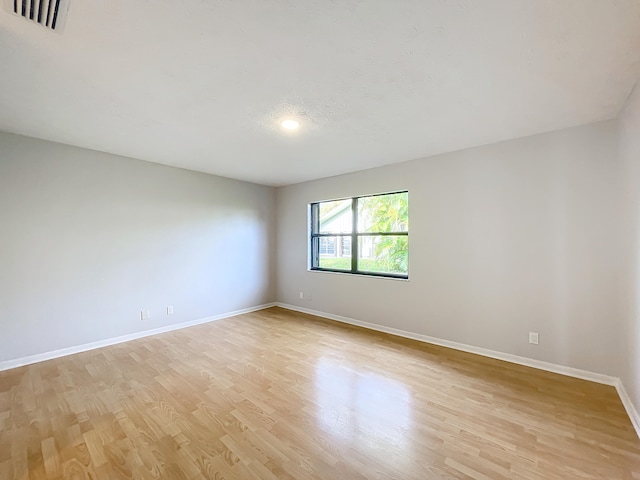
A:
290	124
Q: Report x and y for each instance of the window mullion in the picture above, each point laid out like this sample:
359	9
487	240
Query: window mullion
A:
315	228
354	236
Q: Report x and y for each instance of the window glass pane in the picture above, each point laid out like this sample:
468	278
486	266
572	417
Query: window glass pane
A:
384	213
327	246
334	252
335	217
383	254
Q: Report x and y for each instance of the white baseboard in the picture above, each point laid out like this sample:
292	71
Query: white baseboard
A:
629	406
529	362
507	357
41	357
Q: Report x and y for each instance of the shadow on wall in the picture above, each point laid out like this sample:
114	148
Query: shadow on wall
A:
92	239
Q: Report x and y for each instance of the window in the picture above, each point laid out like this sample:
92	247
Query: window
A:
366	235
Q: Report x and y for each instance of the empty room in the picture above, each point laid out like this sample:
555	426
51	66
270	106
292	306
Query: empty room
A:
320	240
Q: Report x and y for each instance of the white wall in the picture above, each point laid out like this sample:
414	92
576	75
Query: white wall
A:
88	239
505	239
629	124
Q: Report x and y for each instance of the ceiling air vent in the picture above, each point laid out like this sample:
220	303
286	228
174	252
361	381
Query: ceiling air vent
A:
50	14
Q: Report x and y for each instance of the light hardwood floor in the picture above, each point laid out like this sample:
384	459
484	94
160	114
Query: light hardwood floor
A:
278	394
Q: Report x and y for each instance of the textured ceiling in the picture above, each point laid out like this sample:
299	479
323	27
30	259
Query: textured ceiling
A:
203	84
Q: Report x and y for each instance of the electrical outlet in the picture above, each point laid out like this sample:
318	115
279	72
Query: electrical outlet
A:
145	314
308	297
301	295
170	310
533	338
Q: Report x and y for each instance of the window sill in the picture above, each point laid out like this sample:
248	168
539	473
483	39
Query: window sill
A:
365	275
